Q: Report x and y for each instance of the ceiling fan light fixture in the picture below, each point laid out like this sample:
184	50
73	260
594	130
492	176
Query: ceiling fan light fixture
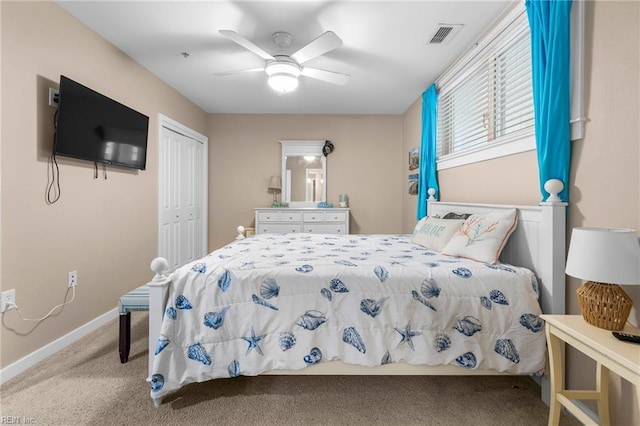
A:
283	75
282	69
283	82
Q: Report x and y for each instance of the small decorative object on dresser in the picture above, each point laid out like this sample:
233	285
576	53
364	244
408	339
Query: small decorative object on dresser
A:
605	258
310	220
343	200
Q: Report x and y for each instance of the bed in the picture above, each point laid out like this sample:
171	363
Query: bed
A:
359	304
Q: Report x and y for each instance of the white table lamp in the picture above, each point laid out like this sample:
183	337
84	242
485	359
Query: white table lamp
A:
606	258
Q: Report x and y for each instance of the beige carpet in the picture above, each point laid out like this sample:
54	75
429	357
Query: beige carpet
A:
85	384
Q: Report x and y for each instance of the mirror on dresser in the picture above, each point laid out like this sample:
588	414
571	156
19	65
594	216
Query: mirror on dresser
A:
304	173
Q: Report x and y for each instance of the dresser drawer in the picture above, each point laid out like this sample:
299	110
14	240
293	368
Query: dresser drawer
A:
292	216
273	216
323	228
313	217
335	216
279	216
325	216
278	228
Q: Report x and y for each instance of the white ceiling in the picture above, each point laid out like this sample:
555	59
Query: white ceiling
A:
385	48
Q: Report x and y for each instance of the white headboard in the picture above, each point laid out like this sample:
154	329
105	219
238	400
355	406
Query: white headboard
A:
538	244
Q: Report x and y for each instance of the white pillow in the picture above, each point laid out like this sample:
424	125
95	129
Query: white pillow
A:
434	233
482	237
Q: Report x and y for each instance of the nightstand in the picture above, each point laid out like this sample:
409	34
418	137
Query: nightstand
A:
610	354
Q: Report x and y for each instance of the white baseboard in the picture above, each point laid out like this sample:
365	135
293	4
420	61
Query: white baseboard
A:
23	364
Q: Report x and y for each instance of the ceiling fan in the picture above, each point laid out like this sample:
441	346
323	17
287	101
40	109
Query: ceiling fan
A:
283	70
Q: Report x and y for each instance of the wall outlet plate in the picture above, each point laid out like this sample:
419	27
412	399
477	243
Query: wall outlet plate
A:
72	279
7	300
54	97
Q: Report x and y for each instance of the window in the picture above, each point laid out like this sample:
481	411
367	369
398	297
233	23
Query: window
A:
487	100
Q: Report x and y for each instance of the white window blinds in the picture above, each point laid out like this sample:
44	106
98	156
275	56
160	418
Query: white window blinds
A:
488	99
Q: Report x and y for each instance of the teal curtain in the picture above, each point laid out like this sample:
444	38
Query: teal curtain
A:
549	22
428	177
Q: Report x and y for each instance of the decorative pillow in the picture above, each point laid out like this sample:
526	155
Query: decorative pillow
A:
434	233
482	237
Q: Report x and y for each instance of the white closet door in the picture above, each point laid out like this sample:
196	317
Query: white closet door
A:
181	230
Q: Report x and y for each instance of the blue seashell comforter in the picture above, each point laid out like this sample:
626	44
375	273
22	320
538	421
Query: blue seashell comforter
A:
273	302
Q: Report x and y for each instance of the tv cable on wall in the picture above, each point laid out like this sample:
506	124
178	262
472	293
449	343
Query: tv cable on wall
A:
53	171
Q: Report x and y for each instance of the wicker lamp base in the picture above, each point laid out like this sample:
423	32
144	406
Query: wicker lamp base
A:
604	305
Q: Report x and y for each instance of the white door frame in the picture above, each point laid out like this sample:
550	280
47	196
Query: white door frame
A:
164	121
313	189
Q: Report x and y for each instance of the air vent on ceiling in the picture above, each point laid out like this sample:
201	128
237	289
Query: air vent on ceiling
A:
444	33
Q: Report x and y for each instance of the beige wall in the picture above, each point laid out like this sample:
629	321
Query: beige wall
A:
411	138
502	180
104	229
367	164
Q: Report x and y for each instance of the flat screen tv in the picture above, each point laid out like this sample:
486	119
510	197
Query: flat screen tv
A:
91	126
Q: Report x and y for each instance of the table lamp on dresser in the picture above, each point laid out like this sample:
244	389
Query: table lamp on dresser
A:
275	186
606	258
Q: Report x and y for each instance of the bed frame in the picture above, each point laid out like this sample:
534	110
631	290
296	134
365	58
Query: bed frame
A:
538	244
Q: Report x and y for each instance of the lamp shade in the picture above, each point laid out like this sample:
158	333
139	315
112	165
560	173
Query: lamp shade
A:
604	255
275	184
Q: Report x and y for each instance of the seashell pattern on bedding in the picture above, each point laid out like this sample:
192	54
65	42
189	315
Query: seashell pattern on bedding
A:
269	288
289	301
234	368
468	325
215	319
287	340
372	307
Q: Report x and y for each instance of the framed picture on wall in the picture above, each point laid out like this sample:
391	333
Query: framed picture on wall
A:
414	159
413	184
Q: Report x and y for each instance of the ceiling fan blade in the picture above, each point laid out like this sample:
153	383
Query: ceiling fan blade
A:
326	42
328	76
234	36
225	73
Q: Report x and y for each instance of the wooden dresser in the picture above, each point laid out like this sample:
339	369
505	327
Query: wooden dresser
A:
311	220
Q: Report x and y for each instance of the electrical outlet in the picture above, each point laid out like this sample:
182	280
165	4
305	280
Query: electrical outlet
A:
7	300
54	97
72	279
